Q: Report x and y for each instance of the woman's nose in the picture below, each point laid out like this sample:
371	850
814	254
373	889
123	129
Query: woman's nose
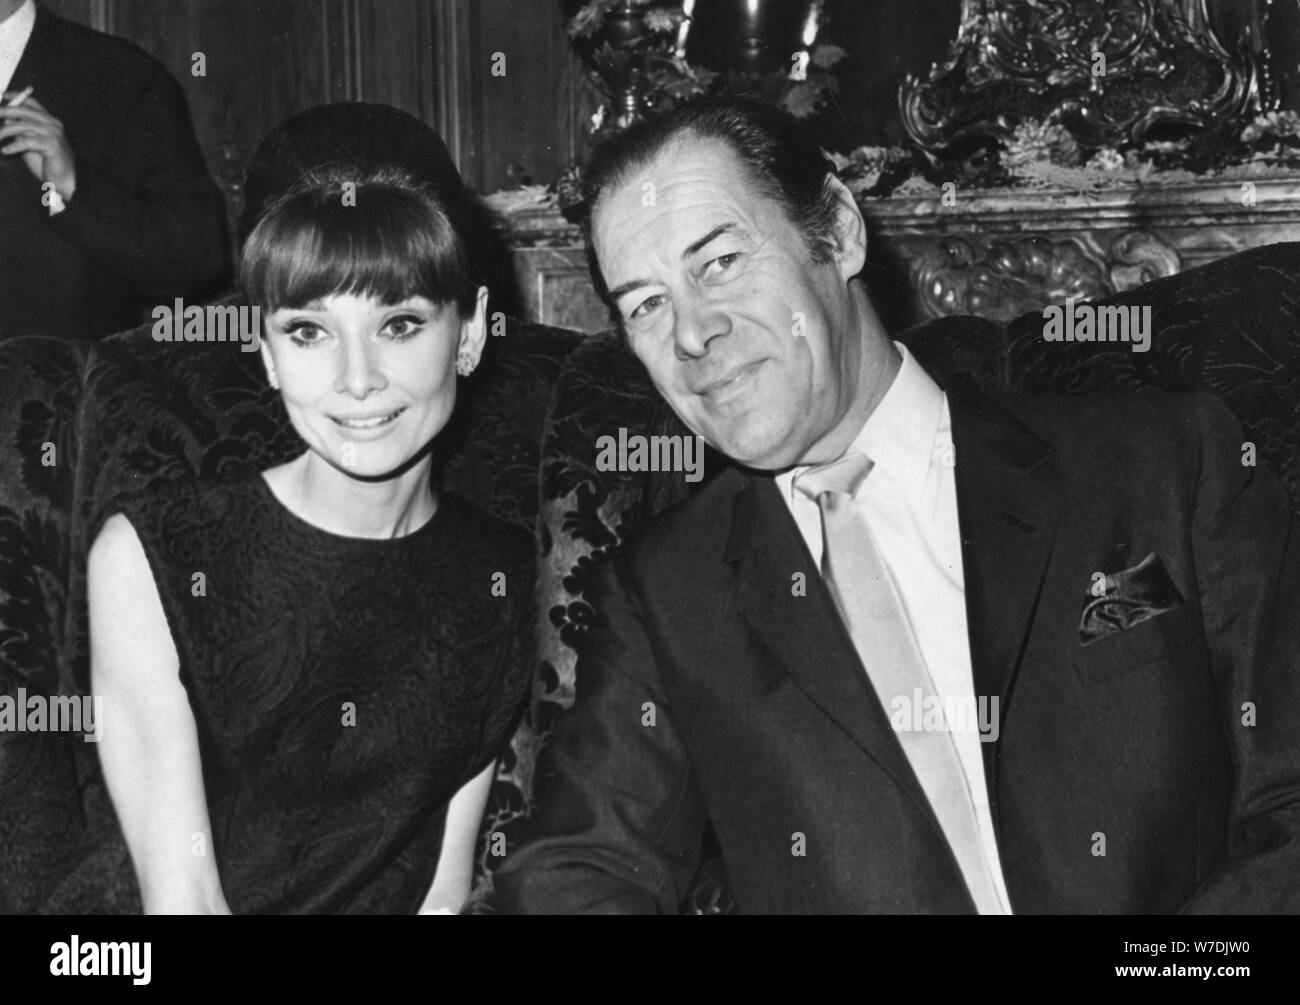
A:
359	372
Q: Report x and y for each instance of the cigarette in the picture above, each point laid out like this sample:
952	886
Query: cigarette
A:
20	97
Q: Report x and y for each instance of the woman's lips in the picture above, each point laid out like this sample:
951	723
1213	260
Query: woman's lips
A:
363	422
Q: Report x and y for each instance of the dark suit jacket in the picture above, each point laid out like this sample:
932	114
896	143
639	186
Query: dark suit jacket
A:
1124	778
145	223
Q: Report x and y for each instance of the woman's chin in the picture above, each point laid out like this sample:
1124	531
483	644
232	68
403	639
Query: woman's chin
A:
370	465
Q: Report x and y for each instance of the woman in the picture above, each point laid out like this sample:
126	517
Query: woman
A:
310	673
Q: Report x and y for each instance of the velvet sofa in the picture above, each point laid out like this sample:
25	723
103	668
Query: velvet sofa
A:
83	427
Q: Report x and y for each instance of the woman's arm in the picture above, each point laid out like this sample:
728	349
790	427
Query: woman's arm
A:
150	749
451	881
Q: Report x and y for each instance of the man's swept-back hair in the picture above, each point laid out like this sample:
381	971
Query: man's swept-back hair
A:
358	199
782	159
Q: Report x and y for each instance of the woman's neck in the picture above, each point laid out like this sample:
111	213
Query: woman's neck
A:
336	502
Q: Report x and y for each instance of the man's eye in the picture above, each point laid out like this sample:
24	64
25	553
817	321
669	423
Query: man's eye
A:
721	264
305	333
646	306
400	329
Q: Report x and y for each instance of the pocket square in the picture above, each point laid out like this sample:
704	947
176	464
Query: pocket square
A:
1128	598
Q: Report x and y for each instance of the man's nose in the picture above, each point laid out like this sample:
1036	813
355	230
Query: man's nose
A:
359	371
697	323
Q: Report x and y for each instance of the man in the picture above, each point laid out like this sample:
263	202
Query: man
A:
105	202
1095	578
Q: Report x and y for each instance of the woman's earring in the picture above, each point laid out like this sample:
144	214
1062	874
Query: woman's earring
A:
464	366
275	383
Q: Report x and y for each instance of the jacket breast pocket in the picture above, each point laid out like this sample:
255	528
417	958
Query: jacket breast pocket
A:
1116	655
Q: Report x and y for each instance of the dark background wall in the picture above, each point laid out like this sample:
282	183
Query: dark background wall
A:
269	58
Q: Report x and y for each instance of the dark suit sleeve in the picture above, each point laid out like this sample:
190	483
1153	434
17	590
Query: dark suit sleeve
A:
149	212
619	822
1247	556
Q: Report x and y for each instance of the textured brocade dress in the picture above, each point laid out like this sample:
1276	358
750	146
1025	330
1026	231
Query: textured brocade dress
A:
343	688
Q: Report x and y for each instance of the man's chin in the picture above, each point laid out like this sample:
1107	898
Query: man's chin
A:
758	456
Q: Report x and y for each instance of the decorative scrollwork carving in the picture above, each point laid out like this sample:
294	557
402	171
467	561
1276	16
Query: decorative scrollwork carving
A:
1005	278
1162	66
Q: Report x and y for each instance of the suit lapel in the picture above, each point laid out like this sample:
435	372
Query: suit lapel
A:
1008	506
805	633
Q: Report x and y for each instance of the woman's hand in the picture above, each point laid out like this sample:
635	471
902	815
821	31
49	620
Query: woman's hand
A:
451	881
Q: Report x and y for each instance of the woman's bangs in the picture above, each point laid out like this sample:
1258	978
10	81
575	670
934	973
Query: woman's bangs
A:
388	246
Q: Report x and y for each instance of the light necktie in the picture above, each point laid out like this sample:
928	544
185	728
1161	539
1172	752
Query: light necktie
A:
873	613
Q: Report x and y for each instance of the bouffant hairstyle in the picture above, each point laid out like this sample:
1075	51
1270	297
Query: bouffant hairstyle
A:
357	199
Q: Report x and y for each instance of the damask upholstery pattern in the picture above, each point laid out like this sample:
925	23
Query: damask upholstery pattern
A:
40	814
1231	327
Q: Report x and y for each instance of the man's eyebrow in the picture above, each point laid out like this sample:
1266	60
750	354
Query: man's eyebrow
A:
626	288
715	232
692	248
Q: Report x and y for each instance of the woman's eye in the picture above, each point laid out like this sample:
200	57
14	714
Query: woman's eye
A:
304	333
646	306
400	329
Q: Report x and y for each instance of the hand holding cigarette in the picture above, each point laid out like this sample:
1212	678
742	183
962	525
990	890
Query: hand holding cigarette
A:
27	128
19	98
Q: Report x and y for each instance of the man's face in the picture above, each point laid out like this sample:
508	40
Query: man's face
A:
754	346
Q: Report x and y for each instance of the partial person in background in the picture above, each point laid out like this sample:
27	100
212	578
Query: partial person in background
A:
317	731
105	203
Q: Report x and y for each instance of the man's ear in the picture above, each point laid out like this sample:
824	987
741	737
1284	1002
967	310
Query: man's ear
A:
473	331
850	229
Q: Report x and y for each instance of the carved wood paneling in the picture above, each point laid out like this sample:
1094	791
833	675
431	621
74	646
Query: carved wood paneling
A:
996	254
527	124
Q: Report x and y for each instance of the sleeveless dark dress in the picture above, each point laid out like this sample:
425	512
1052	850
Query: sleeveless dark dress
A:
343	688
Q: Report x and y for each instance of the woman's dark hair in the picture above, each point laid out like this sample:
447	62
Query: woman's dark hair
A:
361	199
782	159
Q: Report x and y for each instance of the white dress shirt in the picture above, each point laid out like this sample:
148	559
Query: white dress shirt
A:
910	502
15	30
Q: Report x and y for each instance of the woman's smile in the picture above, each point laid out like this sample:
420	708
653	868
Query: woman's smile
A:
373	422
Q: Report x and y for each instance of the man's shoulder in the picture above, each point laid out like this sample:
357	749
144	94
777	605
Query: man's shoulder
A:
1154	421
86	53
692	531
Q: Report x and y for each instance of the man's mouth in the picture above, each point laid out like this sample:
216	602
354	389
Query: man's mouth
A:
373	421
730	382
